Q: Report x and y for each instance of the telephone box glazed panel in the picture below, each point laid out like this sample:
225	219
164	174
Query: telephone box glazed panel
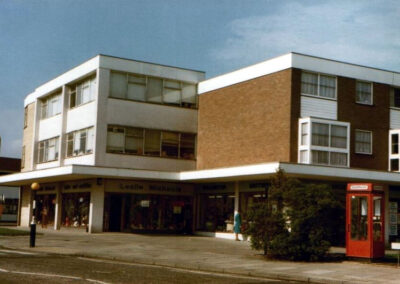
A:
365	220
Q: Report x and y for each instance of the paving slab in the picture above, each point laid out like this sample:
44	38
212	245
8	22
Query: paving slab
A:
200	253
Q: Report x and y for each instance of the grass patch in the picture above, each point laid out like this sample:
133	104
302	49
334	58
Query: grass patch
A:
12	232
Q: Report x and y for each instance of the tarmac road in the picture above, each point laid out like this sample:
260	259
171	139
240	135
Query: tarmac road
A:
29	267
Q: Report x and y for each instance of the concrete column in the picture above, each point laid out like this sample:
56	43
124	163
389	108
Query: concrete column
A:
236	197
96	210
57	208
26	206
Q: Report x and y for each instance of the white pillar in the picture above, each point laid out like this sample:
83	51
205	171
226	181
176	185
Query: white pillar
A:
57	208
236	197
26	206
96	209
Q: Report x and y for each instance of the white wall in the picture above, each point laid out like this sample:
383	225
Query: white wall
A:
147	163
80	160
96	209
394	119
49	127
83	116
316	107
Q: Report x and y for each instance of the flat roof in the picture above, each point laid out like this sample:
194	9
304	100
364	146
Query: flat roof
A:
305	62
248	172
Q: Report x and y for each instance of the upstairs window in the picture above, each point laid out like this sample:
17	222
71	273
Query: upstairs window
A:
364	93
328	144
150	142
50	106
363	142
48	150
80	142
83	92
395	97
318	85
394	151
151	89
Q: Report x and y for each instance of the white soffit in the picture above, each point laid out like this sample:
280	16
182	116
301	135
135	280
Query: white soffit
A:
305	62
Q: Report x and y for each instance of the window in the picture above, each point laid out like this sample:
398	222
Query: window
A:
82	92
150	142
26	117
394	151
48	150
80	142
151	89
23	157
50	106
364	93
395	97
318	85
329	144
363	142
170	144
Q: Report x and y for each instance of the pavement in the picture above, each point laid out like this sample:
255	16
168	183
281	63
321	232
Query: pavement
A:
200	253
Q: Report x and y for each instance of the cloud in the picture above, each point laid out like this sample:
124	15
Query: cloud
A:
362	32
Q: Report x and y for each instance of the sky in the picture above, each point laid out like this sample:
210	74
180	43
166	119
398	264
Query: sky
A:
41	39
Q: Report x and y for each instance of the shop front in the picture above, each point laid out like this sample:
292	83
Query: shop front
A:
136	206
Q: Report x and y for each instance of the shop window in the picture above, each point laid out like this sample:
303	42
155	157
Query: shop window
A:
318	85
329	143
50	106
170	144
48	150
151	89
82	92
216	211
75	209
363	142
395	97
80	142
45	208
364	93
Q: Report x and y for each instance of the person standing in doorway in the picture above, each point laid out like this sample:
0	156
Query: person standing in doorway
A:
237	223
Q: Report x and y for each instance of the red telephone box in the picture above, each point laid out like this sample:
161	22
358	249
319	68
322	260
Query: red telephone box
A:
365	223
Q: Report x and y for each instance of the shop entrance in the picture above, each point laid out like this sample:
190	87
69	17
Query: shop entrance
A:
115	212
44	211
147	213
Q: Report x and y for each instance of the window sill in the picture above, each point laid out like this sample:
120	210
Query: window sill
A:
75	107
45	162
364	104
361	153
319	97
154	103
80	155
150	156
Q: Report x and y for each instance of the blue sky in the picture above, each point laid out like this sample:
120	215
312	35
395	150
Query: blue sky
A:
40	39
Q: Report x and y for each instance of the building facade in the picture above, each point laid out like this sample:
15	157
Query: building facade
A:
123	145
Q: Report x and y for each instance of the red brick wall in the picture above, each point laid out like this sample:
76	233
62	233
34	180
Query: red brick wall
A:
247	123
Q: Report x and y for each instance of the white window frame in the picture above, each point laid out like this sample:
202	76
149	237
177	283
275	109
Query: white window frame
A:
372	93
90	83
319	85
45	103
87	151
355	142
182	102
391	155
308	147
45	146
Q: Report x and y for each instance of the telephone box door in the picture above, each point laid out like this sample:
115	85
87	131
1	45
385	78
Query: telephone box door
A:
365	223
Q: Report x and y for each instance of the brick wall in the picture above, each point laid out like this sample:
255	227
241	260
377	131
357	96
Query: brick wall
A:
247	123
375	118
27	139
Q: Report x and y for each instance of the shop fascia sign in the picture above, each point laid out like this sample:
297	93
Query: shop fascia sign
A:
364	187
171	188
